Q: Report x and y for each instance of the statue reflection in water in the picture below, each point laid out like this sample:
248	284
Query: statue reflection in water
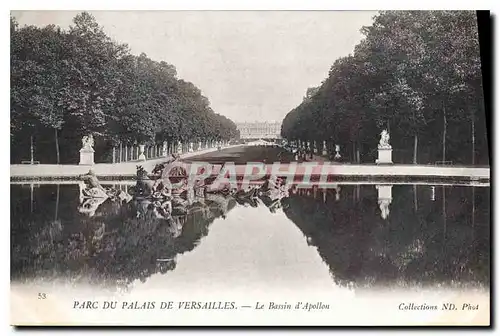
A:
93	194
384	199
151	198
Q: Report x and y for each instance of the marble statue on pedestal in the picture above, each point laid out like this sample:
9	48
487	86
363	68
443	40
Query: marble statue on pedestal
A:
87	150
384	149
88	142
179	147
384	140
337	152
142	156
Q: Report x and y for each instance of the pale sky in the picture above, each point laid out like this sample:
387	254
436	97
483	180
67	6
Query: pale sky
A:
251	65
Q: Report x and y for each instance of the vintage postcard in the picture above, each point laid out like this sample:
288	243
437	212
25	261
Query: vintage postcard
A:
249	168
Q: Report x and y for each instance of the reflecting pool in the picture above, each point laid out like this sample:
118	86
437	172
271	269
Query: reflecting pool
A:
346	236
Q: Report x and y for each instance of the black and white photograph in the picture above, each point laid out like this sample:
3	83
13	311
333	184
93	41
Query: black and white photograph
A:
250	168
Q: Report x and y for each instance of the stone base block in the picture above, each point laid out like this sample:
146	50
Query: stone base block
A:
384	156
86	157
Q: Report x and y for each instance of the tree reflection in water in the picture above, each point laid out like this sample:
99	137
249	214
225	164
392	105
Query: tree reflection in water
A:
440	242
119	239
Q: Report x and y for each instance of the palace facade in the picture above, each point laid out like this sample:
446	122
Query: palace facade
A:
260	130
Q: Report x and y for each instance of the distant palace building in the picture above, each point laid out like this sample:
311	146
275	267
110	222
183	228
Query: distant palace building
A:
259	130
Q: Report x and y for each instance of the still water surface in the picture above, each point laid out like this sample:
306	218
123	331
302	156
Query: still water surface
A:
351	236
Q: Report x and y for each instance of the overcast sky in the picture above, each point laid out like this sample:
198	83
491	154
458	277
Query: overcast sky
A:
252	65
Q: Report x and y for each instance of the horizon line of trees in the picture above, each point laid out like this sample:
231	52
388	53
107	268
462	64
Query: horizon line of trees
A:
416	74
66	84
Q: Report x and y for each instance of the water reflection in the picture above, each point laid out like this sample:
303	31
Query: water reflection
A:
434	243
367	235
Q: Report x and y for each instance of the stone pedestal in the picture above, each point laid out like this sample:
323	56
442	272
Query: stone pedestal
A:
325	152
141	157
86	156
384	156
191	147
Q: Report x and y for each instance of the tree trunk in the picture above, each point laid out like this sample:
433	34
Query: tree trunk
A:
444	134
57	145
32	150
415	149
121	152
353	152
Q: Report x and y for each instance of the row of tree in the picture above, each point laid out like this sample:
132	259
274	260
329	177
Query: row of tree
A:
69	83
415	73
